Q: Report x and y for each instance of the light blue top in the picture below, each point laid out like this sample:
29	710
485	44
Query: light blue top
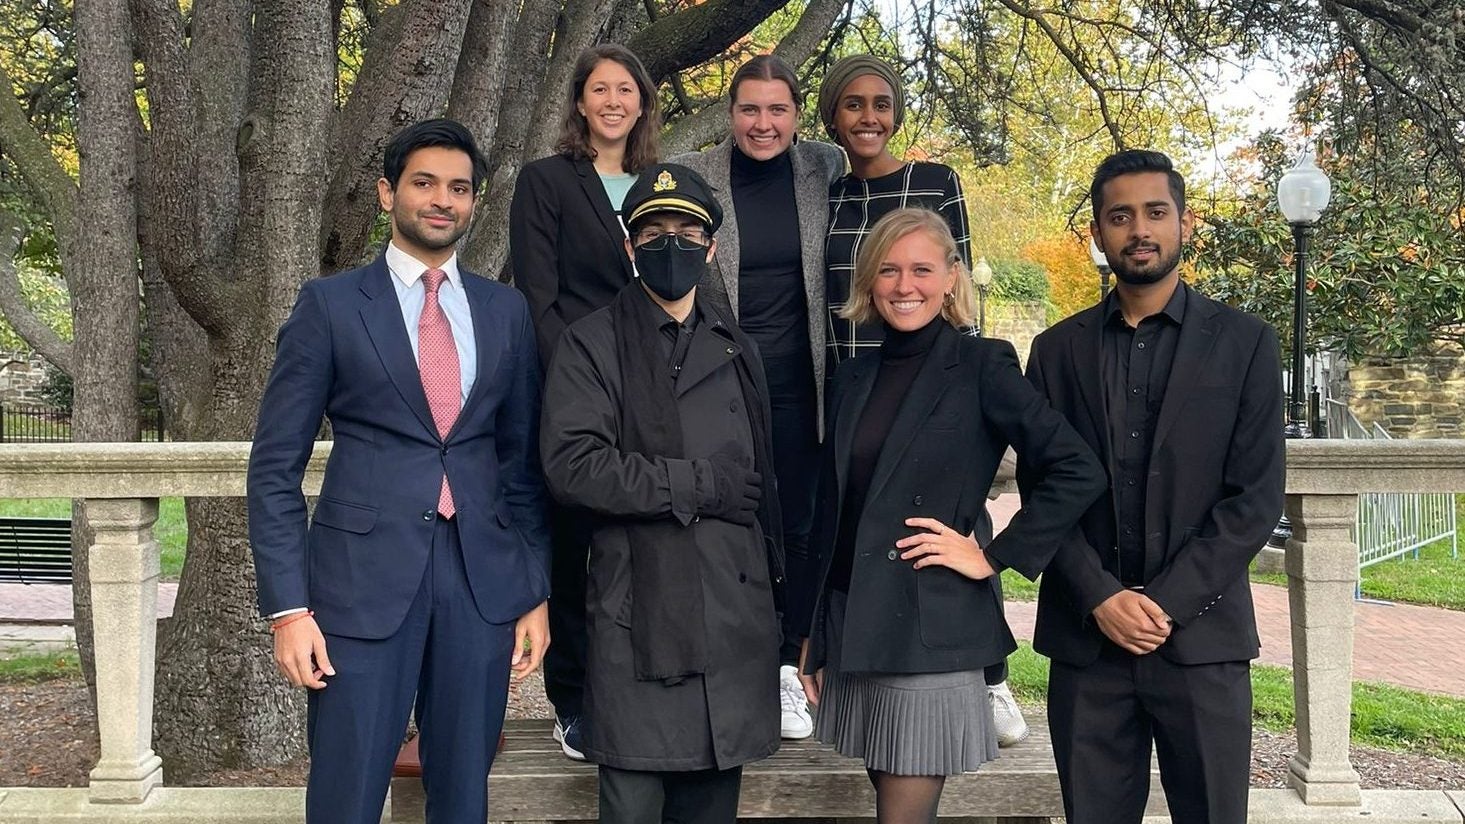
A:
407	279
616	187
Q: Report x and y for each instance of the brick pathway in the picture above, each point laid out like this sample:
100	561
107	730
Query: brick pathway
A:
1422	648
1416	647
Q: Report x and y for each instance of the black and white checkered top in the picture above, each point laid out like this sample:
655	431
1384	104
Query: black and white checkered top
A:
854	207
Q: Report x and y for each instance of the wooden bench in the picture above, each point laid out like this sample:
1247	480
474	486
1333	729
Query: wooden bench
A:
35	550
532	780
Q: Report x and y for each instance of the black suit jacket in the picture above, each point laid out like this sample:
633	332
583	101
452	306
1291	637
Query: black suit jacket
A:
968	403
566	246
1214	492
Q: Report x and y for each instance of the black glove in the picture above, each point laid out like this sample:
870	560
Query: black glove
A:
736	491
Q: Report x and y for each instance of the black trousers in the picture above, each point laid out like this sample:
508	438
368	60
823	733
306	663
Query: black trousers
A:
795	424
697	797
1103	717
564	664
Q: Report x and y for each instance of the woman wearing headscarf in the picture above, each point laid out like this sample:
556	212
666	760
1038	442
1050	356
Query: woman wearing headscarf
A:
566	251
862	104
907	615
769	271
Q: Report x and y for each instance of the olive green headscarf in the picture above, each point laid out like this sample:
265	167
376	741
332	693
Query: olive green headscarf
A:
849	68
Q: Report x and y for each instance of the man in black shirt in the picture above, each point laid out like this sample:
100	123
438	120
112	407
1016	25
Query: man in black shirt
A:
1146	609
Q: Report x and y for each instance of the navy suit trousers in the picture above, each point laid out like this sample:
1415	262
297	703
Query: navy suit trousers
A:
457	666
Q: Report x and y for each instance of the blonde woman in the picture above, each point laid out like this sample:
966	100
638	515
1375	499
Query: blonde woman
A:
906	615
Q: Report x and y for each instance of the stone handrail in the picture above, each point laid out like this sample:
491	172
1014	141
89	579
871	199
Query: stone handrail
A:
123	482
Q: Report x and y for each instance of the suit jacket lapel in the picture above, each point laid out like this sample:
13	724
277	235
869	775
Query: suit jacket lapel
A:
811	194
383	319
930	384
861	381
719	177
1088	352
1192	351
479	297
600	202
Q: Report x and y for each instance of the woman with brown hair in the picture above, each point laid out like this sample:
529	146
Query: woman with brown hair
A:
907	615
567	254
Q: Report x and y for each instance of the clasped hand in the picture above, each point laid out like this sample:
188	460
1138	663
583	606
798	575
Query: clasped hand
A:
941	545
1134	621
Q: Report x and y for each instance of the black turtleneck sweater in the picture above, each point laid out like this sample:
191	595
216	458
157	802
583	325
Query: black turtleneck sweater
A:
771	305
901	357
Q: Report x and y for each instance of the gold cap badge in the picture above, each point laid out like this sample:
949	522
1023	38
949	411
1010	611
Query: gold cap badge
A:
664	182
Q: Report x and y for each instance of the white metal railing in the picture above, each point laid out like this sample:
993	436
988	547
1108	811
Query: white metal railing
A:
1393	524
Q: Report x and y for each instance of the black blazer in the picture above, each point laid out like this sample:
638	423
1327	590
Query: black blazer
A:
1215	490
566	246
968	402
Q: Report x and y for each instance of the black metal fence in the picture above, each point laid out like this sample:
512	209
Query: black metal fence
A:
31	423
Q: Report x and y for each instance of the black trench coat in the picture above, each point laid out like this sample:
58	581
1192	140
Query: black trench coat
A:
729	715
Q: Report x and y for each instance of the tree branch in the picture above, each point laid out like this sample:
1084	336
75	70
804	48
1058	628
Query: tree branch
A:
698	33
50	186
583	21
710	122
409	83
487	246
1077	62
34	331
479	80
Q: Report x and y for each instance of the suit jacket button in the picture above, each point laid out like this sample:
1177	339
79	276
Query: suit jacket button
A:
892	555
429	515
918	500
742	577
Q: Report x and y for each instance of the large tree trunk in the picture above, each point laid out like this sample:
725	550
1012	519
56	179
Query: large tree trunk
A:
103	276
220	702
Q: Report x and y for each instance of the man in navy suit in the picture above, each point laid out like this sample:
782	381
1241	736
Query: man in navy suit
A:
424	571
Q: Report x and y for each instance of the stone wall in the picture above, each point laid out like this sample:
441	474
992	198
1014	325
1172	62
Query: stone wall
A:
21	377
1417	397
1018	323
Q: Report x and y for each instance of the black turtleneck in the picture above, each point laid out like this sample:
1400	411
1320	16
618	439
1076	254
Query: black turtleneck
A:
771	305
901	357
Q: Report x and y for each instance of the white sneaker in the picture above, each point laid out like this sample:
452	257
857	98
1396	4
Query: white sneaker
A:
796	722
1006	716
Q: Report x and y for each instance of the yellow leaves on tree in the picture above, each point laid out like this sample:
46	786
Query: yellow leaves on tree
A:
1072	279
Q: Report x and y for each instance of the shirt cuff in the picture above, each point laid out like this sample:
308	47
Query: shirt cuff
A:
681	476
282	613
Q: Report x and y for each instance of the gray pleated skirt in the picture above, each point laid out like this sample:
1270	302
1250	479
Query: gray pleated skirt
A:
923	724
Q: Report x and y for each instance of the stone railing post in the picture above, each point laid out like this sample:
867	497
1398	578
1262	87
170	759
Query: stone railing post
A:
1322	571
124	566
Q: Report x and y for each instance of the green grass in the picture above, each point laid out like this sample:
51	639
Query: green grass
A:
33	668
1433	579
1384	716
171	530
1017	588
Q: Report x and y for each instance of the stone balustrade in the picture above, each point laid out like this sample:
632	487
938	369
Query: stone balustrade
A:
123	482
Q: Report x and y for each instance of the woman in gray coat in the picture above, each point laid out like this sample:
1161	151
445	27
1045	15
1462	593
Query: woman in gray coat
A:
768	272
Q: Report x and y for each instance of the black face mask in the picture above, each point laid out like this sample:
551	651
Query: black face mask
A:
671	272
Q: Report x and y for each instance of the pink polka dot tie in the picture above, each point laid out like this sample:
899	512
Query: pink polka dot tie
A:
437	360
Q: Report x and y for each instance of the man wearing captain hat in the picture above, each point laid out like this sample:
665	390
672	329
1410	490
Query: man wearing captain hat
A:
656	420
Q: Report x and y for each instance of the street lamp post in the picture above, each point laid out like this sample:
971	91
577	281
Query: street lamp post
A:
1101	262
1302	194
982	276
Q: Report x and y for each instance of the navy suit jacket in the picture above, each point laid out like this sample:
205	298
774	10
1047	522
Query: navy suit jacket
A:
344	354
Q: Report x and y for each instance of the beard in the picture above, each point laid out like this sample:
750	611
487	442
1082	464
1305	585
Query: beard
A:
419	233
1145	274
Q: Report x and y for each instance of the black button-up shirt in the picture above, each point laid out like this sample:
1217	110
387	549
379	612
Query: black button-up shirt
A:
1135	363
676	339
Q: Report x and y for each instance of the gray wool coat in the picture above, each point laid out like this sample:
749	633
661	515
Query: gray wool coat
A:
816	167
